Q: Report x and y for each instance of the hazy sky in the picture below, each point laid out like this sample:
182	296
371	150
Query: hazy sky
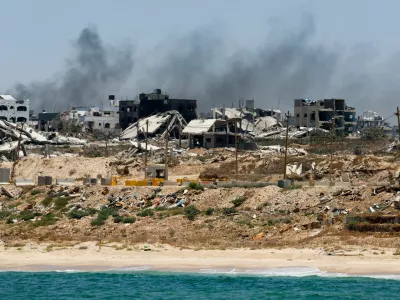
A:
37	36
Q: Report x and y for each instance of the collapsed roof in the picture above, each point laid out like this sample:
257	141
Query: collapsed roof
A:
201	126
155	124
12	134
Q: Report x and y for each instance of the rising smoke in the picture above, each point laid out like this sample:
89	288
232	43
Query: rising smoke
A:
203	65
287	65
90	75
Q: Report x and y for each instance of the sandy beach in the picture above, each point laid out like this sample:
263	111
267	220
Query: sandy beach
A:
89	257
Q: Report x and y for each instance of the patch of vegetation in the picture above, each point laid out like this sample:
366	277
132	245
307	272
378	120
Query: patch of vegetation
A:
191	212
80	213
295	187
4	214
35	192
16	204
47	201
272	222
229	211
196	186
72	172
129	220
27	215
238	201
46	220
373	133
209	211
146	213
103	215
60	202
97	222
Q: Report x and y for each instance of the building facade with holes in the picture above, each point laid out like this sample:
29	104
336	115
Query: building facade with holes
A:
14	110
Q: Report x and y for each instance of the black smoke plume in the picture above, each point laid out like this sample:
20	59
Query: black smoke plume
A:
95	71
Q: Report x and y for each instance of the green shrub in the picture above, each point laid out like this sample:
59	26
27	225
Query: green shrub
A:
129	220
352	225
46	201
26	215
229	211
35	192
46	220
196	186
209	211
60	202
77	214
104	213
4	214
118	219
146	213
97	222
191	212
10	221
92	211
238	201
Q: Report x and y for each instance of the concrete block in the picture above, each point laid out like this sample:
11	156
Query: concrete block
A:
5	175
24	182
48	180
65	181
41	181
106	181
90	181
284	183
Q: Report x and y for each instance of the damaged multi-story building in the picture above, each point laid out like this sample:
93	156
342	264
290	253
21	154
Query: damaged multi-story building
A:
319	114
153	103
373	119
13	110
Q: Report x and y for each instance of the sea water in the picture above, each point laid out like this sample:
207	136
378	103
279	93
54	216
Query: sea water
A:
292	283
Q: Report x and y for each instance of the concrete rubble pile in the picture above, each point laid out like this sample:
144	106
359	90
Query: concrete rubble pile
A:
13	135
151	201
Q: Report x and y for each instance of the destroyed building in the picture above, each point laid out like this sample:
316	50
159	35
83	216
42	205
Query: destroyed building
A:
214	133
128	112
13	110
319	114
155	125
45	120
373	119
103	118
156	102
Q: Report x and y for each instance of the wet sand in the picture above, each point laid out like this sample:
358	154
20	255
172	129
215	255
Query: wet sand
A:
90	257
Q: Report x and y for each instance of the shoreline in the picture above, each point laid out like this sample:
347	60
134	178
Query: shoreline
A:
89	257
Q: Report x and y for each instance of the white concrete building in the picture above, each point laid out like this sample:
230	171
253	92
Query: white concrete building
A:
13	110
104	119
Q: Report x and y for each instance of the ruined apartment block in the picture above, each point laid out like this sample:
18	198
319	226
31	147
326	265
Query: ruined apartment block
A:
319	114
13	110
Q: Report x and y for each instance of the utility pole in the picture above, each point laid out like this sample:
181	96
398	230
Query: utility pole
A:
332	138
236	152
286	144
145	152
166	155
398	120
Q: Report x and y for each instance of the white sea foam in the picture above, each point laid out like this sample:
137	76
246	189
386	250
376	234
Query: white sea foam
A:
132	269
290	272
68	271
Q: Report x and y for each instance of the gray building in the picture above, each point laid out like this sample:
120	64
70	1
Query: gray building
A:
319	114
